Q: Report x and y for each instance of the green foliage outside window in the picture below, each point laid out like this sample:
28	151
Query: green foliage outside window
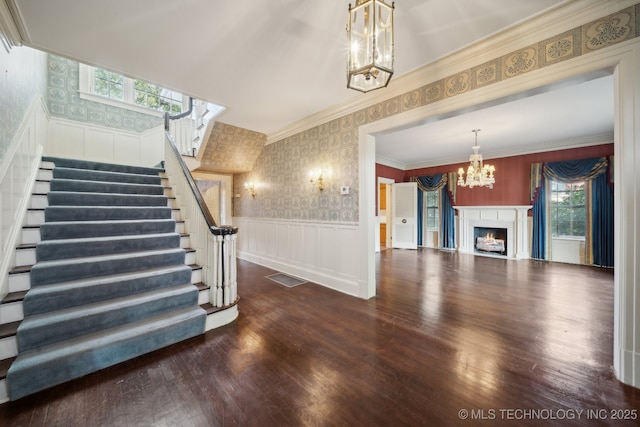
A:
431	208
112	85
108	84
568	209
153	96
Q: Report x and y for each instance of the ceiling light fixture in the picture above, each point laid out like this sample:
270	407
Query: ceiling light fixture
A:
370	40
478	175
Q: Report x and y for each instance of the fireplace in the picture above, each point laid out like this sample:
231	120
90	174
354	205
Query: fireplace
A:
490	240
508	224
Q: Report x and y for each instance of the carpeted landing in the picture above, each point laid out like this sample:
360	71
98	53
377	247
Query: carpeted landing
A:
110	282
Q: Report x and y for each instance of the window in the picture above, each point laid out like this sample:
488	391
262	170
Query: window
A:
568	211
431	210
100	85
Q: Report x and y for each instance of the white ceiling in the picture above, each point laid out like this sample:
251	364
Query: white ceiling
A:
570	114
272	63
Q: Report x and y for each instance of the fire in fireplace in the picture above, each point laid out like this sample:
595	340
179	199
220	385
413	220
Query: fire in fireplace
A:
490	240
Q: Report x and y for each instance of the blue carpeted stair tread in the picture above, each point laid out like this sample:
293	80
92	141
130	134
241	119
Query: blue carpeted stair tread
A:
104	213
56	271
45	329
45	367
59	296
77	229
74	198
74	185
50	250
110	282
100	166
92	175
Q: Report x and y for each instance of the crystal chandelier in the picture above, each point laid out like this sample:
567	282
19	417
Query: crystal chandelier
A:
477	174
370	38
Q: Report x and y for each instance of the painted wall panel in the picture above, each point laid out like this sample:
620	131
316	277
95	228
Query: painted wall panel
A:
323	253
78	140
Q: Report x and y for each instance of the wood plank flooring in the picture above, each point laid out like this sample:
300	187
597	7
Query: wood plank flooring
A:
449	336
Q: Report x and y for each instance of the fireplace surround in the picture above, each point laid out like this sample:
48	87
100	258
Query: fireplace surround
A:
512	219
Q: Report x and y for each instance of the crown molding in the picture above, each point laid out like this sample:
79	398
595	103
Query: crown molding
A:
10	25
565	144
391	163
565	16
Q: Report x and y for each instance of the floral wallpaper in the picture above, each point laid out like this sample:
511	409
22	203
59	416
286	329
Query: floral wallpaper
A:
24	76
231	149
64	101
281	176
281	171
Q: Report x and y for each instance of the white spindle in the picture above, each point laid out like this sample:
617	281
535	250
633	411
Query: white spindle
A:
216	253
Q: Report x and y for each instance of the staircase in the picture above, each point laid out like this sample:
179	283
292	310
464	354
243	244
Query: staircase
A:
102	276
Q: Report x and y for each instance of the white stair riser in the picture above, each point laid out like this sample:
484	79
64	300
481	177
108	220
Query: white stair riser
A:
34	218
11	312
44	175
203	297
38	201
19	282
196	276
30	236
190	258
4	392
41	187
25	256
184	241
8	347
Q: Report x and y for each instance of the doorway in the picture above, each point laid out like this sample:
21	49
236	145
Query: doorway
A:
383	222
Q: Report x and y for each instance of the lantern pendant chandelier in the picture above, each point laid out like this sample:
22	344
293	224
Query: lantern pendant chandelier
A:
478	175
370	40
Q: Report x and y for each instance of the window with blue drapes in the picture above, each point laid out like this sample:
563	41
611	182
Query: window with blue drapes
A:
438	182
601	207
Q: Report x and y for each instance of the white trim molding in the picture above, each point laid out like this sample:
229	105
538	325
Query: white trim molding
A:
321	252
9	27
81	140
513	218
17	177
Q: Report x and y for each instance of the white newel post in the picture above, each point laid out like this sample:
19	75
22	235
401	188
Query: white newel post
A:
225	288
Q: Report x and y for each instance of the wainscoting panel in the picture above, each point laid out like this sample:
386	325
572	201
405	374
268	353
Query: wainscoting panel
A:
17	176
79	140
323	253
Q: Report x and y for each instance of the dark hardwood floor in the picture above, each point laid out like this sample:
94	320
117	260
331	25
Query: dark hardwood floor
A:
449	340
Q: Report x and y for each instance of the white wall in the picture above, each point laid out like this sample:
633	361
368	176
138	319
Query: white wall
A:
323	253
80	140
17	177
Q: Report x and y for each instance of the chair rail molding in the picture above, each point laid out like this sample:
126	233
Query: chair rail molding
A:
321	252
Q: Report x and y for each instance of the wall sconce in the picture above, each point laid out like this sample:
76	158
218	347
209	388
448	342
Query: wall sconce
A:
251	188
316	177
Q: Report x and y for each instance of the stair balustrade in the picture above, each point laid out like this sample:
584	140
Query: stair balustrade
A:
215	245
191	128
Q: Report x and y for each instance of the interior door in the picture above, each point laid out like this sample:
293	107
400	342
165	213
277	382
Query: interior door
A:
404	209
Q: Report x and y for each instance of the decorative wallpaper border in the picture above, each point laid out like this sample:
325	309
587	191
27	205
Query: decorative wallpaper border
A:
283	165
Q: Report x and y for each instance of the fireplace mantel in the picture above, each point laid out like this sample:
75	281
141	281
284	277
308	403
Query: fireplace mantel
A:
513	218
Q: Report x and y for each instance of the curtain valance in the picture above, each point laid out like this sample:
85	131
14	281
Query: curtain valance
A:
431	182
